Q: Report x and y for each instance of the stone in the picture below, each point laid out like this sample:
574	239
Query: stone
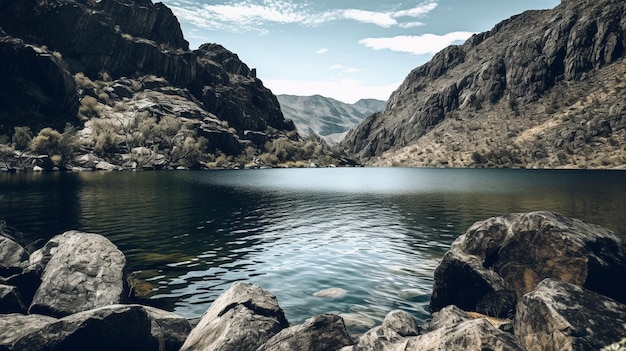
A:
242	318
562	316
333	293
10	300
500	259
472	335
15	326
114	327
12	255
396	326
320	333
83	271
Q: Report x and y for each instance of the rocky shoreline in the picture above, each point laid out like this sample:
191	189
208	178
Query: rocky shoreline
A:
532	281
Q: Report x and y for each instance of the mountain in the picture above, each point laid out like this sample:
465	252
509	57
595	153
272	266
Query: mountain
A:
542	89
326	117
120	75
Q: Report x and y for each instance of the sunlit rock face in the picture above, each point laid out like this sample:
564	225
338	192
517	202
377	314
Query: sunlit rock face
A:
527	72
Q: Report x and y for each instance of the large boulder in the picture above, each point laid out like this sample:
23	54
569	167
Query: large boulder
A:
324	332
562	316
115	327
498	260
82	271
472	335
243	318
14	327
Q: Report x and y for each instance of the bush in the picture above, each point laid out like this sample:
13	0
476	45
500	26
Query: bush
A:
22	137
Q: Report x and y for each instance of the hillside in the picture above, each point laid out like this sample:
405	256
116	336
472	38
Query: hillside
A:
326	117
114	83
542	89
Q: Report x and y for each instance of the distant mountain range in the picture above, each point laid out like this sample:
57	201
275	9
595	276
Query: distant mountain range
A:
326	117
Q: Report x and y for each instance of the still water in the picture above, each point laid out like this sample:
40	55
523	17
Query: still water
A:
377	233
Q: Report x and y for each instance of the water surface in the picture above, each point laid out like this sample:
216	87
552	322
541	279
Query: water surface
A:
378	233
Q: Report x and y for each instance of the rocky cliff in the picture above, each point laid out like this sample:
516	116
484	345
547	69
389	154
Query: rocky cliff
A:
326	117
541	89
120	65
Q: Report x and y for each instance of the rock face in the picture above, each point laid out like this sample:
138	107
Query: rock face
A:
10	300
561	316
320	333
115	327
326	117
87	265
396	326
44	45
12	256
497	261
526	73
243	318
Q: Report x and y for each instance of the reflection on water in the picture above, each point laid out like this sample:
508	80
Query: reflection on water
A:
377	233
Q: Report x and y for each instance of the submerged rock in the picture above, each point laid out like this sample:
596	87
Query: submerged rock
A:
243	318
562	316
332	293
82	271
498	260
320	333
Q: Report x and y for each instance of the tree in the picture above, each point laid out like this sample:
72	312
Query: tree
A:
22	137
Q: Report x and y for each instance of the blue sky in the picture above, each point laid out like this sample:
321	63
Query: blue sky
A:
346	50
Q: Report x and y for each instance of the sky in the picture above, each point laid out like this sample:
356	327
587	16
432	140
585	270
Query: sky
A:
346	50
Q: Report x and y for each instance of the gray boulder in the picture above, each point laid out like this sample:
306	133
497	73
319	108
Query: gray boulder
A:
10	300
396	326
243	318
471	335
12	256
500	259
562	316
14	327
82	271
115	327
324	332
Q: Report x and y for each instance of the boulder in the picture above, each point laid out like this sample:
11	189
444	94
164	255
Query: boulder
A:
396	326
82	271
115	327
243	318
500	259
320	333
10	300
14	327
12	256
472	335
562	316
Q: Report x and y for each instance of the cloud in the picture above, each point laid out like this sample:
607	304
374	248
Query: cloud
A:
249	15
322	51
417	44
346	90
411	25
335	67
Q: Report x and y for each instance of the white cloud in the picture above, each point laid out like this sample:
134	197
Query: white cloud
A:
412	24
322	51
381	19
346	90
335	67
249	15
417	44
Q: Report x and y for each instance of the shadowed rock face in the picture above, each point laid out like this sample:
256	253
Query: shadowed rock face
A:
518	61
45	43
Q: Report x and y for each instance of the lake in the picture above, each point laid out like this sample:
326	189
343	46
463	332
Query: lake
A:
377	233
